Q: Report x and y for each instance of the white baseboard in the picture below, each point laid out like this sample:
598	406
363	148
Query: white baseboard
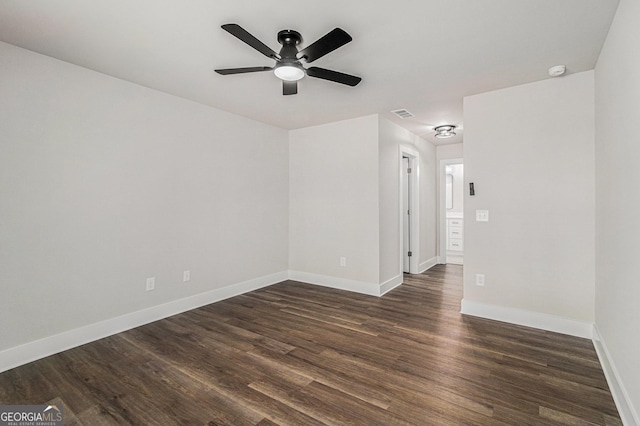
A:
528	318
28	352
627	412
428	264
335	282
389	285
455	260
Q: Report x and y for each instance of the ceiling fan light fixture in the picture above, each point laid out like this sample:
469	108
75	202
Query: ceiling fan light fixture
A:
445	131
289	72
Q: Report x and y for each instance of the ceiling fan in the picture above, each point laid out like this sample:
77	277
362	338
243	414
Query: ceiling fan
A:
288	66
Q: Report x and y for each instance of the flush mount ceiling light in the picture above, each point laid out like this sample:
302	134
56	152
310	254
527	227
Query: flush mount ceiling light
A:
445	131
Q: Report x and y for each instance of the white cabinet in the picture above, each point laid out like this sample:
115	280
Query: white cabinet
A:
455	234
455	222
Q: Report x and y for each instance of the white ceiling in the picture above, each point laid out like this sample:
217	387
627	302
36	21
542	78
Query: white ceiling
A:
421	55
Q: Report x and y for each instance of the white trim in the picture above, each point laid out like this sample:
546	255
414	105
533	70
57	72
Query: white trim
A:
370	289
28	352
455	215
414	162
389	285
528	318
441	260
428	264
627	412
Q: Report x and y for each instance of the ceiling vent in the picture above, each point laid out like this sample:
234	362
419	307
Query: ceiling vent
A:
403	113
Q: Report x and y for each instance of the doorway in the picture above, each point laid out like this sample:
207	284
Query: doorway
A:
451	212
409	210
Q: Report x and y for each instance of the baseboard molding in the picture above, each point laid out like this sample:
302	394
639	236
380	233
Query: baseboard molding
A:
455	260
370	289
28	352
528	318
627	412
427	265
389	285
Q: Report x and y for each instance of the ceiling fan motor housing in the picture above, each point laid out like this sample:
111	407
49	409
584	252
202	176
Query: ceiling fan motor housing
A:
289	39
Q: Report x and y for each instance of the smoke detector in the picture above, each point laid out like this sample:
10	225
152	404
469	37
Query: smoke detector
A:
557	71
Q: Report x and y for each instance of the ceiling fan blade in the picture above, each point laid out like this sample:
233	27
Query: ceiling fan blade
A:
227	71
289	87
338	77
242	34
325	44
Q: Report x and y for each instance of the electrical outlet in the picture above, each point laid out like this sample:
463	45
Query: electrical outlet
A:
186	276
480	280
343	261
151	283
482	215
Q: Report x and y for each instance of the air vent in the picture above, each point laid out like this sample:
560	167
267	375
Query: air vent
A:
403	113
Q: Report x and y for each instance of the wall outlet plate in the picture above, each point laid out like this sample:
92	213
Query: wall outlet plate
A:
151	283
186	276
480	280
482	215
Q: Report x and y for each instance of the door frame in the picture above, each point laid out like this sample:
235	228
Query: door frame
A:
442	211
414	206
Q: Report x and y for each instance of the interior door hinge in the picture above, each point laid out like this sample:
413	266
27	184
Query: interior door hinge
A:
410	254
409	212
409	170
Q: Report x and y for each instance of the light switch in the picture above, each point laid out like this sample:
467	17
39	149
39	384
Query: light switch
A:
482	215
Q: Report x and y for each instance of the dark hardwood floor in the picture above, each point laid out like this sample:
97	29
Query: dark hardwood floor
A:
298	354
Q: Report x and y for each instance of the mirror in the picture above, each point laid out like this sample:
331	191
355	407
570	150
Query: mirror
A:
449	191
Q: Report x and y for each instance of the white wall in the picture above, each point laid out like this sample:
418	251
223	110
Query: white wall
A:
428	203
104	183
334	203
618	200
445	152
391	137
344	202
529	150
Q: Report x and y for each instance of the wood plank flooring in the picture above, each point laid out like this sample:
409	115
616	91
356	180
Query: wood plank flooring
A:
297	354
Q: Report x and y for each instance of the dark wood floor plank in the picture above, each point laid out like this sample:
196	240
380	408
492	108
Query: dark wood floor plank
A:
345	380
183	398
515	417
298	354
26	384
